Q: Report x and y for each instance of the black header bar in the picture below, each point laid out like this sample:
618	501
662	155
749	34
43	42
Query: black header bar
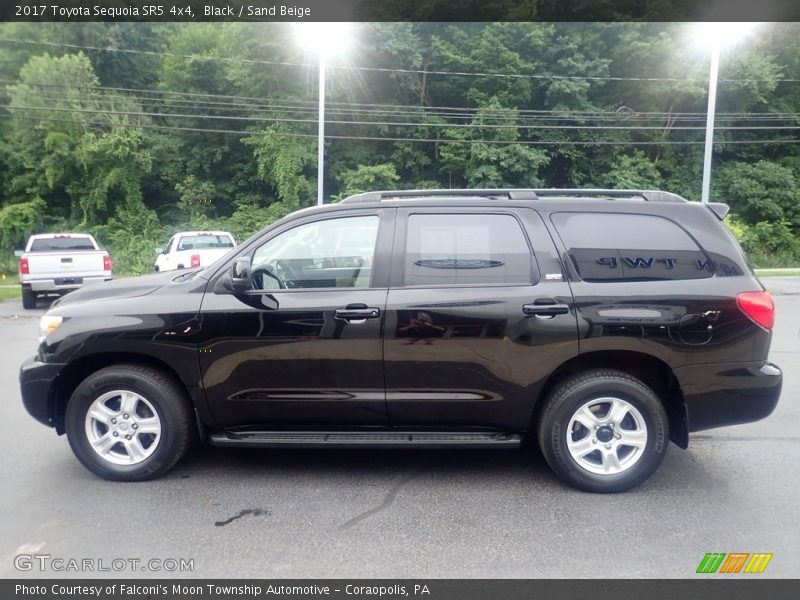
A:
399	10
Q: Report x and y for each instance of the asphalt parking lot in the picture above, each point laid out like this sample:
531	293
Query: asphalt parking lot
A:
323	513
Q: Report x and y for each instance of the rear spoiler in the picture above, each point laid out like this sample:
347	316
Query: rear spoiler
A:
719	208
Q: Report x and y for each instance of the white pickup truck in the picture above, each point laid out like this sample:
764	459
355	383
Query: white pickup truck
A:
190	249
56	263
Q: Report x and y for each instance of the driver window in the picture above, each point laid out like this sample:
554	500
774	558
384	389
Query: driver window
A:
323	254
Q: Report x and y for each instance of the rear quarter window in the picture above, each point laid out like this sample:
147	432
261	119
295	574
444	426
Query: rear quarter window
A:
624	247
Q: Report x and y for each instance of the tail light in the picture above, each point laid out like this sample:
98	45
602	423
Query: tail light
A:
106	263
195	260
24	269
758	307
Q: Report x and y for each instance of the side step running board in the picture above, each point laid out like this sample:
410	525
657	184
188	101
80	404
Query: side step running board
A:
372	439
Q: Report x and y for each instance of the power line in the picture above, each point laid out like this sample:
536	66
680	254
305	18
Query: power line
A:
281	109
312	104
418	140
401	124
417	108
379	69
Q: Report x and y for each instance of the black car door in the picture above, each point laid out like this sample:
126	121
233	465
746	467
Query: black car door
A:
474	322
303	346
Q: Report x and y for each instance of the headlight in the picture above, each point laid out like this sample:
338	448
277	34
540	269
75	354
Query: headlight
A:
48	324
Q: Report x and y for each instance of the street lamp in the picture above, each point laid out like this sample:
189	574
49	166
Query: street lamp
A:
324	39
716	35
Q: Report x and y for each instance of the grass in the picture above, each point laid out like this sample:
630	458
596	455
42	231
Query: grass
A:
10	293
790	272
9	287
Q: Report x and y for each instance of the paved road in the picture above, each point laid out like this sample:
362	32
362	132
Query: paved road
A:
407	514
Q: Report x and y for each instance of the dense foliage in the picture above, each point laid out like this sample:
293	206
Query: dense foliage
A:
132	130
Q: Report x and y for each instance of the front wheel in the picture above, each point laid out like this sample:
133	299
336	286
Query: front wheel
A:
128	423
603	431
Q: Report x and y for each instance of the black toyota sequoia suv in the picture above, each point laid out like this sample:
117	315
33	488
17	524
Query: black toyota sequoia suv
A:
601	323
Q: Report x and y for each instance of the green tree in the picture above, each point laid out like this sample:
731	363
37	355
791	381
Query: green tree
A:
427	105
42	154
17	222
474	162
633	171
283	162
761	192
196	198
367	178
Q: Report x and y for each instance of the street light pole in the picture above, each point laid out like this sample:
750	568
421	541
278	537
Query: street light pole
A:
321	131
712	105
324	39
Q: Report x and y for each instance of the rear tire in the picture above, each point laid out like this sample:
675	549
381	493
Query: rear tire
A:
128	423
603	431
28	298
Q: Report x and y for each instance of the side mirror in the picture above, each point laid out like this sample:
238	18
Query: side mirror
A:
18	253
240	277
159	251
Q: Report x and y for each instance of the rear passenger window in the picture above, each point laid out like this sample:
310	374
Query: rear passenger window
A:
476	249
618	247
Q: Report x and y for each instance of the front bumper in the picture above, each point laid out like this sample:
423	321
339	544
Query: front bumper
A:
36	386
723	394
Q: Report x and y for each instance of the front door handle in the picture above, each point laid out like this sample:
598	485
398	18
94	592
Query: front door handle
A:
356	312
545	311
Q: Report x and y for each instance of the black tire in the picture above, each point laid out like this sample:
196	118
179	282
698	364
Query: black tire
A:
575	392
28	298
161	392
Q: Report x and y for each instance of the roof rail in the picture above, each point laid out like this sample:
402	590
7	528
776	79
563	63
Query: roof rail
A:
508	194
611	194
516	194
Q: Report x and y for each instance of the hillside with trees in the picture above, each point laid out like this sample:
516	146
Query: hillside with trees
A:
132	131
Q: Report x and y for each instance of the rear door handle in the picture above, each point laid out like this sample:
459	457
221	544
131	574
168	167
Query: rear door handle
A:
545	311
356	313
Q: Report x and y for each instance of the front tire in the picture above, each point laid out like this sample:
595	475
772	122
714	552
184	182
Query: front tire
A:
603	431
128	423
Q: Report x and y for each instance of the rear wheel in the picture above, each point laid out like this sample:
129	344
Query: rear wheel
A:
128	423
28	298
603	431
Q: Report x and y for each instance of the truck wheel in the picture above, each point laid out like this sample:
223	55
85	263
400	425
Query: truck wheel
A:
28	298
603	431
128	423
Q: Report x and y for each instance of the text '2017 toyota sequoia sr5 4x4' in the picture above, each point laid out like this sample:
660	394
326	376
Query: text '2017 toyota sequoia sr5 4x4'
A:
600	323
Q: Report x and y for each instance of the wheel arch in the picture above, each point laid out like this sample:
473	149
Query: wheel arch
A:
651	370
75	372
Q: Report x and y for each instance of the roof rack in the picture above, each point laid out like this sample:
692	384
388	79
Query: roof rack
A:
517	194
